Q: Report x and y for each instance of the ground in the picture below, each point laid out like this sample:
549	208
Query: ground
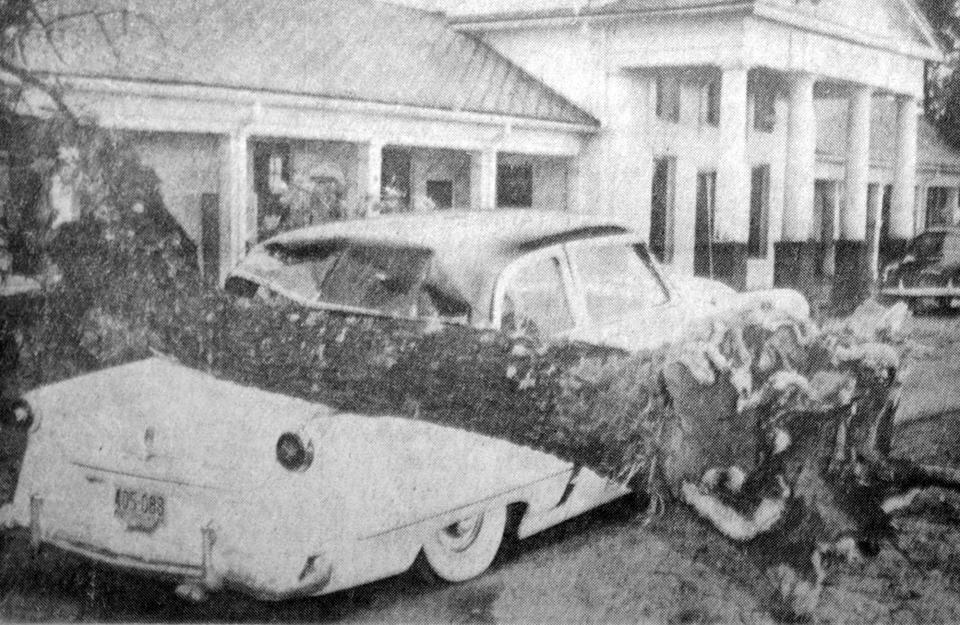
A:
604	566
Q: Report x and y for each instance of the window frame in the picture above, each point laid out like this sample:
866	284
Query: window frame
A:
710	104
667	98
628	240
503	281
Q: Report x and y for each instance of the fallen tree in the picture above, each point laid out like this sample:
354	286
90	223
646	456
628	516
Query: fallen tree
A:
776	431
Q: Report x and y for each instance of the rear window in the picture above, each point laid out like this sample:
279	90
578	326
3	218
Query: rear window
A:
927	245
384	278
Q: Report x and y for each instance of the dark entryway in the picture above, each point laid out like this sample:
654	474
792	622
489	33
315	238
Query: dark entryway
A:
703	228
661	208
271	173
395	179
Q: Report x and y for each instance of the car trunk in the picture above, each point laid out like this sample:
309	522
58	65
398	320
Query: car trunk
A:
129	464
169	423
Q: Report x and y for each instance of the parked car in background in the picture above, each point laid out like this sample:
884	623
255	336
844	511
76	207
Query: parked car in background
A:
929	272
165	470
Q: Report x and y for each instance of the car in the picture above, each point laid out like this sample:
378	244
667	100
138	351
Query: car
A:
161	469
929	271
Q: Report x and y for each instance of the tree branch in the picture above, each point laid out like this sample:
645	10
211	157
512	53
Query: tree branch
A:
27	77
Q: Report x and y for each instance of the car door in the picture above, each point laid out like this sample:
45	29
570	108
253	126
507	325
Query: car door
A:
534	295
620	295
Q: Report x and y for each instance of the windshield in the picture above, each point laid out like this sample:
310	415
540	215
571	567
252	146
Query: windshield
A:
927	245
375	276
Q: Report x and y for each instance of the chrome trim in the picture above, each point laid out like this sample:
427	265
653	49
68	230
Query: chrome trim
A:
101	554
151	478
920	291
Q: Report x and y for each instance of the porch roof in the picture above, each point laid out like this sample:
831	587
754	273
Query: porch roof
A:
361	50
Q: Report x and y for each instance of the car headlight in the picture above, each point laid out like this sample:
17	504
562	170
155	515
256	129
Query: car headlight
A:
19	414
293	453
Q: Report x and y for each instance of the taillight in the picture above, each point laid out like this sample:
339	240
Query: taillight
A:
18	415
293	453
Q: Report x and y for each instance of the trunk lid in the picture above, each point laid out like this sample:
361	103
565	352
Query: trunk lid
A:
161	420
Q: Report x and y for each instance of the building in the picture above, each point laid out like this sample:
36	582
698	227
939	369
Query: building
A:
737	133
350	103
757	141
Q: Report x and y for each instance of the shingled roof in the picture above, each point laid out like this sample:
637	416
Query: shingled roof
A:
361	50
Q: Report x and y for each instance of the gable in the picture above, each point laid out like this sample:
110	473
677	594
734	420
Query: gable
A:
887	20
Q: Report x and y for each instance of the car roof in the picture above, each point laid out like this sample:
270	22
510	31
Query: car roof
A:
445	232
469	248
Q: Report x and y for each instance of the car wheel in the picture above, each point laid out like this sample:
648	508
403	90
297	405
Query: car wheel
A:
465	549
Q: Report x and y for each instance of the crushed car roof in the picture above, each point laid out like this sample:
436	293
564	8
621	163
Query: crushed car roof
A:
470	248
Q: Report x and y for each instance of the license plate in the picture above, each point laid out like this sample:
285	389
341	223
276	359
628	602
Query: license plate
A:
139	510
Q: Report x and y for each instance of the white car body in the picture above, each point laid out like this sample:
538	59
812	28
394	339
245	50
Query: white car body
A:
377	491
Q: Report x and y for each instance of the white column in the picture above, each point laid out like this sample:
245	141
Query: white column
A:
234	193
953	205
418	184
797	220
905	169
874	217
483	180
733	174
853	221
369	170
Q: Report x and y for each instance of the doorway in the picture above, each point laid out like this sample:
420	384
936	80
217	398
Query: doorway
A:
703	228
395	180
661	208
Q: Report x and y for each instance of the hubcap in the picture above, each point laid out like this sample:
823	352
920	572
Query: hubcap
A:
459	536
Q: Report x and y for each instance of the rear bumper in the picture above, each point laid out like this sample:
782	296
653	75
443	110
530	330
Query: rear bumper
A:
920	291
212	569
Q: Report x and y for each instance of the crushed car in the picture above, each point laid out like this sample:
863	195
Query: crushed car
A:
163	469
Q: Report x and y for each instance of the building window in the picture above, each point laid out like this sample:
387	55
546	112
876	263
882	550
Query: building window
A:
703	228
662	208
515	185
938	213
440	193
759	212
668	98
710	104
764	110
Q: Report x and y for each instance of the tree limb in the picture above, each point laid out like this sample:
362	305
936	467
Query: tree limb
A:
27	77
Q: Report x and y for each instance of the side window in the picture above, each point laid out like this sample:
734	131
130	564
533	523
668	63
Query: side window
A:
535	300
616	280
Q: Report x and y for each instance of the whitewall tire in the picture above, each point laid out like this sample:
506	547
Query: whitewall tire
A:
464	550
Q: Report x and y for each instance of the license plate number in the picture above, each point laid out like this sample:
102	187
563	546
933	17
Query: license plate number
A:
139	510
